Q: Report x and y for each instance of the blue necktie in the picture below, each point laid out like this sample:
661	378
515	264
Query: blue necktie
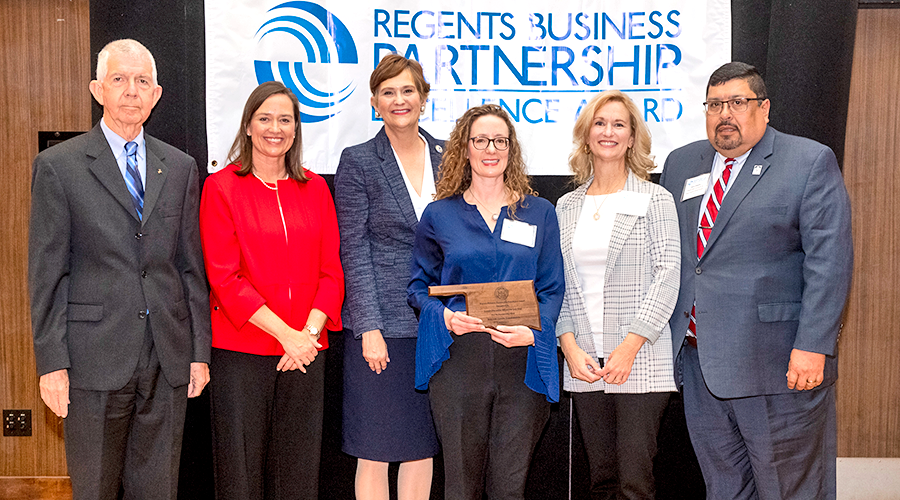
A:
133	178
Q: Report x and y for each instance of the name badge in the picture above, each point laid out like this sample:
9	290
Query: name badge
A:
631	203
695	186
516	231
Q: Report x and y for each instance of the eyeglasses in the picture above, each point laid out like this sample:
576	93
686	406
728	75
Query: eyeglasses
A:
481	143
738	105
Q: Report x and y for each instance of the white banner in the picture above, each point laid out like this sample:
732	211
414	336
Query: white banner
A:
541	61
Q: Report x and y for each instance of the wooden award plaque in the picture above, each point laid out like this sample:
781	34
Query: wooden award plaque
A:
507	303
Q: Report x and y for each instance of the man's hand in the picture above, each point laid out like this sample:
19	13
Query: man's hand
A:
55	391
199	379
805	370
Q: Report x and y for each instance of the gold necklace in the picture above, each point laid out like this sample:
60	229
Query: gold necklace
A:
494	216
594	199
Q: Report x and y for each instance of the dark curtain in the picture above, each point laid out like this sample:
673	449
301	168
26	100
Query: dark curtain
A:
803	49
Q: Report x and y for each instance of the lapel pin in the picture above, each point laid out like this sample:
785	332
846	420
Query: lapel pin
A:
757	169
159	171
438	148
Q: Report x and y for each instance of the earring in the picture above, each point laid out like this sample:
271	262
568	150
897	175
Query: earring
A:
423	110
586	149
377	114
630	153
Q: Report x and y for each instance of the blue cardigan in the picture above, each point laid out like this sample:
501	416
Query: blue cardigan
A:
453	245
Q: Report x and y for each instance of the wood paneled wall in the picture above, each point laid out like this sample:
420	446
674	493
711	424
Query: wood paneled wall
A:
868	390
44	74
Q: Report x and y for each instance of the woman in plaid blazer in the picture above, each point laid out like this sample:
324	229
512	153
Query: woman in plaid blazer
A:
621	252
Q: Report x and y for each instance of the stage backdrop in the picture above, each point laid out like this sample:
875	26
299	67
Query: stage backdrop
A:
541	61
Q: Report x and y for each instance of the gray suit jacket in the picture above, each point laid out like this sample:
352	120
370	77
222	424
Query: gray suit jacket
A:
94	268
639	291
378	227
776	270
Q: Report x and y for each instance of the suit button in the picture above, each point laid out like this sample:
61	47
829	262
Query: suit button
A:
698	270
138	236
142	315
687	314
143	274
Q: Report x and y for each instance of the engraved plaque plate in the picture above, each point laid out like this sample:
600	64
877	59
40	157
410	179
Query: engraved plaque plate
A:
507	303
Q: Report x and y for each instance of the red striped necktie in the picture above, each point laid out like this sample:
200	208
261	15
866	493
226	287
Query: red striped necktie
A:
706	224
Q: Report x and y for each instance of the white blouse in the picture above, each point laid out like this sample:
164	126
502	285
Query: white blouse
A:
419	201
590	248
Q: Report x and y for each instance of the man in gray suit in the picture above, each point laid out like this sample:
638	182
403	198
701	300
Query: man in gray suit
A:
119	303
765	271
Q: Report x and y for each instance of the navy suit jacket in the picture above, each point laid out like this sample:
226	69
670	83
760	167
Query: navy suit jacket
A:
95	268
378	228
776	270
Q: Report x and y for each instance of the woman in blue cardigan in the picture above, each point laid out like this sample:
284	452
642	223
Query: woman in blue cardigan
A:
490	388
381	188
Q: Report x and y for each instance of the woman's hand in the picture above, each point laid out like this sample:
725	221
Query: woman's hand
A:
512	336
460	323
581	365
618	365
286	364
300	346
374	350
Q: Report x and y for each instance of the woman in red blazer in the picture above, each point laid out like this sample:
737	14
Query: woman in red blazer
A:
270	243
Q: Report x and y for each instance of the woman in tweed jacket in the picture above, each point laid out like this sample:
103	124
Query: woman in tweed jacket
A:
381	189
621	252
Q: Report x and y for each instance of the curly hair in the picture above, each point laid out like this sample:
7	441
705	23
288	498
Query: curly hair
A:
637	159
455	172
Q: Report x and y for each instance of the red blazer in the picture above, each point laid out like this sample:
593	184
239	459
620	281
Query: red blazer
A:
253	259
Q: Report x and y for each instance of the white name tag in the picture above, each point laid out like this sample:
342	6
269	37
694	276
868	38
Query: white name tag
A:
516	231
695	186
631	203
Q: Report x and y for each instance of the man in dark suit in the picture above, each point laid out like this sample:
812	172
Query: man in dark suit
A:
766	262
119	302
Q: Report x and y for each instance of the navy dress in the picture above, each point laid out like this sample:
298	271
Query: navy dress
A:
385	419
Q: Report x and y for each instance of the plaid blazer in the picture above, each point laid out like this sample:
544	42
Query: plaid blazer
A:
639	292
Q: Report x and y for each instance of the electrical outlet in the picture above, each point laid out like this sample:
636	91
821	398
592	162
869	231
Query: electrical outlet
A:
16	422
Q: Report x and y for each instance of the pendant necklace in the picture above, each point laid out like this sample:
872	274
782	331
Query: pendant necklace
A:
597	212
494	216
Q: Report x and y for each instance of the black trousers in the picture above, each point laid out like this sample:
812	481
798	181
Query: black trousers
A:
487	420
267	427
128	438
619	432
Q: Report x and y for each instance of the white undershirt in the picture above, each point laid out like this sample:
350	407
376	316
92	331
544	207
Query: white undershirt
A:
590	247
718	167
419	202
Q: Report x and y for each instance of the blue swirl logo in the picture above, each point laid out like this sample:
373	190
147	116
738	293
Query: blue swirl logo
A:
324	38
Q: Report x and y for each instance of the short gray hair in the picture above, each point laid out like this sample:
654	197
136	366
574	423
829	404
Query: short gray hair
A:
125	46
